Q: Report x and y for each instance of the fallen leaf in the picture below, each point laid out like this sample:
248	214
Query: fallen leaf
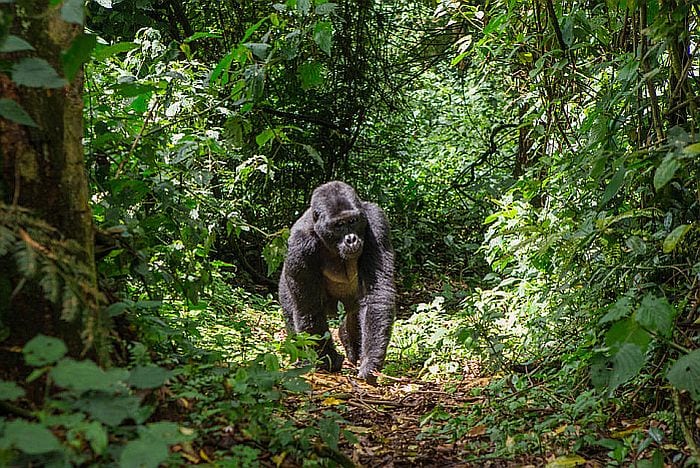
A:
331	401
566	461
477	431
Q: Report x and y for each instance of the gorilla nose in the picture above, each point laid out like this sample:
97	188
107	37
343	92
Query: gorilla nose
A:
351	239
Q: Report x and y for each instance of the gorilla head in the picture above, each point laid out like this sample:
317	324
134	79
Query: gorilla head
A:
339	220
339	250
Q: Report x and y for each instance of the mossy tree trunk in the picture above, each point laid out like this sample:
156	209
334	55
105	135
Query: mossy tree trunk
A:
43	171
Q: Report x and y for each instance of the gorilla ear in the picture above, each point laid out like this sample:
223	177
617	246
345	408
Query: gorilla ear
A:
314	215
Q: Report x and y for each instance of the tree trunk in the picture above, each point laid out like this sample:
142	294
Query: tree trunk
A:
43	171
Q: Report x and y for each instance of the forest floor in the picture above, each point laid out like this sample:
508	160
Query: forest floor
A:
413	417
388	419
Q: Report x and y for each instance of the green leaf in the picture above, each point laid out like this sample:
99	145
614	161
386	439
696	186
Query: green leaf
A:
10	390
163	431
310	75
323	36
620	309
15	44
10	110
624	332
626	363
73	11
263	137
103	52
692	149
36	73
143	453
296	385
111	409
96	434
614	186
30	438
325	8
675	236
666	170
82	376
656	314
42	350
78	53
685	374
149	376
304	6
314	154
330	432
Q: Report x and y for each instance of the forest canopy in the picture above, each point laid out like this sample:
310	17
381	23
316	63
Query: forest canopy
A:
538	165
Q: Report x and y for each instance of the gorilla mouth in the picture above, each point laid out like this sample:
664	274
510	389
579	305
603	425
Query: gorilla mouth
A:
350	251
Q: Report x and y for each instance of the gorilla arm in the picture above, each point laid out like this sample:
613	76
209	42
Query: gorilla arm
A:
376	313
301	295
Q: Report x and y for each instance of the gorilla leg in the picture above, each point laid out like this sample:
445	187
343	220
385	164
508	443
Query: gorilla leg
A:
306	314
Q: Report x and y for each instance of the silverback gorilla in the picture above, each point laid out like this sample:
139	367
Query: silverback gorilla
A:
340	250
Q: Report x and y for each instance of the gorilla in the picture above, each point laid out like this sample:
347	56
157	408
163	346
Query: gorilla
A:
339	250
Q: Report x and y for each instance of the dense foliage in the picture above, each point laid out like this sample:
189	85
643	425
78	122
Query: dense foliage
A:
539	165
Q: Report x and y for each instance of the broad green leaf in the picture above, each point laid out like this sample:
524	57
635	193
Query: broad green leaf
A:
259	49
624	332
323	36
675	236
692	149
96	434
325	8
637	245
666	170
626	363
149	376
656	314
118	308
263	137
78	53
311	75
620	309
685	374
31	438
144	453
15	44
73	11
10	110
10	390
42	350
111	409
296	385
36	73
330	432
86	375
314	154
613	186
103	52
304	6
163	431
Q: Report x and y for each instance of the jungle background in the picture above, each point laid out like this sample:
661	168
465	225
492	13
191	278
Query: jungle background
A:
538	162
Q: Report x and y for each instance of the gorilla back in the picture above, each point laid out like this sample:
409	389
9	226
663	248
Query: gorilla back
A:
340	250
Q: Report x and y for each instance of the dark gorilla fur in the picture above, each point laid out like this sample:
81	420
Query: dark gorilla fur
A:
340	250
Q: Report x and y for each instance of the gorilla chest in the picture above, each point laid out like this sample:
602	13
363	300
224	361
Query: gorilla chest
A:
340	279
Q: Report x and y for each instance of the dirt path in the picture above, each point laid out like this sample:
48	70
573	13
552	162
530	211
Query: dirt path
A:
389	420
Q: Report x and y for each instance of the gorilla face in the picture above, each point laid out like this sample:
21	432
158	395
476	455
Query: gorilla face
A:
339	220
